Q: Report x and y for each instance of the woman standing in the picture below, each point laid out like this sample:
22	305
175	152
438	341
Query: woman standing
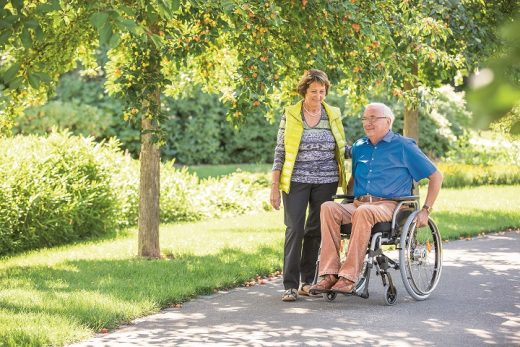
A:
309	162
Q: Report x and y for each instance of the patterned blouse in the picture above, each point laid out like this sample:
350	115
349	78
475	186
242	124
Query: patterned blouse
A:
316	161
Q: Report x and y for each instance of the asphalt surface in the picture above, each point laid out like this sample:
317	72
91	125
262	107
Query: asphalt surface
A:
477	303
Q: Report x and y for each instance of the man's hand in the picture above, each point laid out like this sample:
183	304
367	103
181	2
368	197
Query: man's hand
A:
275	197
421	219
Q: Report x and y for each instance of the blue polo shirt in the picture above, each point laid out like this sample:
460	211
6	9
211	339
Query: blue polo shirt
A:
388	168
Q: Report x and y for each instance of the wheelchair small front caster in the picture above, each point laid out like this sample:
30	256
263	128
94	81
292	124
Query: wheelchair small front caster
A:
330	296
390	295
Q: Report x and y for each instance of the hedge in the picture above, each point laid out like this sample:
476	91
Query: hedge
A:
62	188
52	191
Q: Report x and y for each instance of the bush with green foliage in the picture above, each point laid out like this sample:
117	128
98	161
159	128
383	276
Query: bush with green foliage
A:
62	188
52	191
464	175
196	128
486	148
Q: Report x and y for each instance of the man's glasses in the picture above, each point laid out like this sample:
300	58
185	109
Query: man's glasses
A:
371	120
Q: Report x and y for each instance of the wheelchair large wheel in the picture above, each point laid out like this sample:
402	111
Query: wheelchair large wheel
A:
420	258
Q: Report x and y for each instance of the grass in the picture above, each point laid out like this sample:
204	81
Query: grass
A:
472	211
205	171
56	296
65	294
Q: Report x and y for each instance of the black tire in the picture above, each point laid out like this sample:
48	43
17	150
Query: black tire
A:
390	295
420	258
330	296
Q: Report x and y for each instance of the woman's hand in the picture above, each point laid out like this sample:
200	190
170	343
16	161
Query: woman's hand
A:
275	197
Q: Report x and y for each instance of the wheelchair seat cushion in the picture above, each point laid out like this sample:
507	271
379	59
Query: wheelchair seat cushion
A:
381	227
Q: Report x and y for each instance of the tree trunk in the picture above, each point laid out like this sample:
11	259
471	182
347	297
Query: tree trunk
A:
411	114
150	159
411	123
149	187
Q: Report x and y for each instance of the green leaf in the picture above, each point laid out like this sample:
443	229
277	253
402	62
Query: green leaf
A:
127	25
164	12
26	38
11	19
18	4
44	8
99	19
34	81
175	5
4	37
156	39
5	25
228	6
10	74
17	82
128	10
114	41
56	4
31	24
105	33
50	6
38	33
44	77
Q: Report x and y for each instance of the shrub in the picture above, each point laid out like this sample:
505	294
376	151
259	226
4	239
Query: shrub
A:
233	194
52	191
179	195
486	148
464	175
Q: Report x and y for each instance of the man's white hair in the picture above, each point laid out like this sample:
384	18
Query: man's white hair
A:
387	112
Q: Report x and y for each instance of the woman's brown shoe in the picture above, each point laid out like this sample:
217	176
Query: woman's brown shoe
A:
343	286
324	285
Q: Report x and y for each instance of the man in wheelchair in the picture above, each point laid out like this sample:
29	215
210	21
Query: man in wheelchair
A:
384	166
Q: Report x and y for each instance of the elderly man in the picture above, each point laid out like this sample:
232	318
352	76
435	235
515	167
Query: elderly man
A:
383	165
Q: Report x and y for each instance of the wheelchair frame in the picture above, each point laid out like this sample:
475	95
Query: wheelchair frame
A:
420	258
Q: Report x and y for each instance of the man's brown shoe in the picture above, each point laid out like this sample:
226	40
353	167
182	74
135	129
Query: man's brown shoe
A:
343	286
324	285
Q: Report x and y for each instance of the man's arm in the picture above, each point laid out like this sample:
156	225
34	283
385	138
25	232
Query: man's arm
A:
434	186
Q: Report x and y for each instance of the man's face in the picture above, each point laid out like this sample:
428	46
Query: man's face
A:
376	125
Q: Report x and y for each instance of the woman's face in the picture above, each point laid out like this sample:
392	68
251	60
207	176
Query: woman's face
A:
315	94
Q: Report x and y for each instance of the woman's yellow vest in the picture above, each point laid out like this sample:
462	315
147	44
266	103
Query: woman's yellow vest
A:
293	136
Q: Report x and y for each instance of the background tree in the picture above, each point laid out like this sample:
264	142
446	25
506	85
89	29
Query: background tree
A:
437	42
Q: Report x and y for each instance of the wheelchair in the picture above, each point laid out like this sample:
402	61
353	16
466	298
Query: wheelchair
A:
419	252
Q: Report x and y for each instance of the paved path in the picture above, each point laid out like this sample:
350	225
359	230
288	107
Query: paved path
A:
477	303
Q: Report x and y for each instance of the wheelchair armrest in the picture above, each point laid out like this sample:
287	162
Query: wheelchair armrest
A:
343	196
347	199
405	198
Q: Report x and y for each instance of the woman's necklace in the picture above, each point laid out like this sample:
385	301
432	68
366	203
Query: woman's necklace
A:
312	114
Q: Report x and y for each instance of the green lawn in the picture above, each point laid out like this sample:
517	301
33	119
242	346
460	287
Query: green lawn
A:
205	171
471	211
60	295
